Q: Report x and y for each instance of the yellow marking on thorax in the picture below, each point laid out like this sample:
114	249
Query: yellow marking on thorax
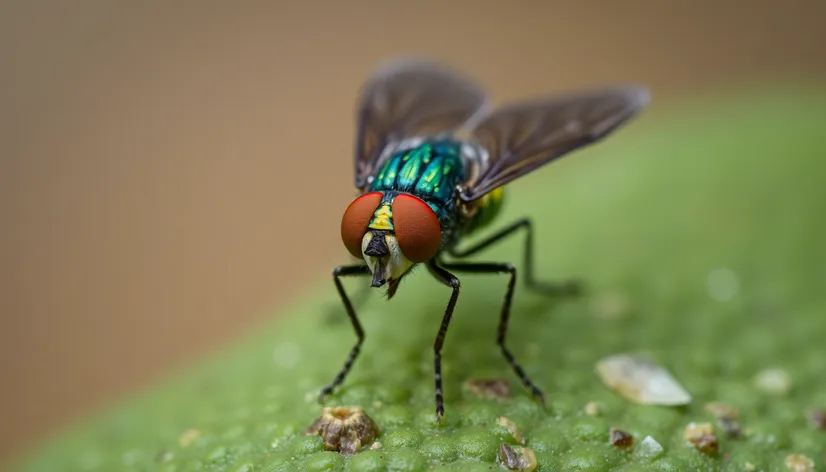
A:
382	218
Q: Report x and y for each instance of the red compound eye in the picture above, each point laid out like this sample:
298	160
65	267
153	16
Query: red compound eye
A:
417	228
355	220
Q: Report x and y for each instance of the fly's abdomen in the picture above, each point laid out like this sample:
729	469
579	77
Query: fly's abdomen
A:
487	208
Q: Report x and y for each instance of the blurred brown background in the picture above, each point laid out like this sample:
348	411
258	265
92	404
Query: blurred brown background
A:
170	174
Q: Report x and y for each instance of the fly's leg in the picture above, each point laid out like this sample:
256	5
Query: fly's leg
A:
568	287
338	272
451	281
504	316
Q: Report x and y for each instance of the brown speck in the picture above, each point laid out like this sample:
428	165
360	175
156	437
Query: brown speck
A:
702	437
722	410
799	463
731	428
726	416
818	418
498	389
517	458
591	409
697	429
188	436
621	439
707	444
511	427
344	429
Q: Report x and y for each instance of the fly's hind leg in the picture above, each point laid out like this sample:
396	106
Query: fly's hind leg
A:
561	288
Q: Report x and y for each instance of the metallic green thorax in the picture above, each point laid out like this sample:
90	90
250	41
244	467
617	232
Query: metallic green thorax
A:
431	171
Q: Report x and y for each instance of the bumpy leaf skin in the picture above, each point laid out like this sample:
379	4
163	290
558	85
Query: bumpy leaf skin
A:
647	217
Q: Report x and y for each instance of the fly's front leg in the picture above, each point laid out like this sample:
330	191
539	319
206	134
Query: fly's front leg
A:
451	281
567	287
504	316
338	272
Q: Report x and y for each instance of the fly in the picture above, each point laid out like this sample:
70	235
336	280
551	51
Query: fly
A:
422	188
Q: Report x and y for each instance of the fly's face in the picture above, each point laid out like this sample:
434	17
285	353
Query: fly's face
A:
391	234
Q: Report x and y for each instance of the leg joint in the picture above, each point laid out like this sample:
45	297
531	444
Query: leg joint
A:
357	269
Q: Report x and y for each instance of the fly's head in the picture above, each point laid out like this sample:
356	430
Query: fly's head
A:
390	235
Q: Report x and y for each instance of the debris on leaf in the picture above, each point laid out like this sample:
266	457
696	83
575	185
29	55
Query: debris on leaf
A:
726	416
697	429
702	437
188	436
639	379
707	444
344	429
517	457
818	418
498	389
749	467
375	446
722	410
591	409
511	427
621	439
799	463
731	428
649	447
773	381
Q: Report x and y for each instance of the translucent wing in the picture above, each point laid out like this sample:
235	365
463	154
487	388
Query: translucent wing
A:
406	99
522	137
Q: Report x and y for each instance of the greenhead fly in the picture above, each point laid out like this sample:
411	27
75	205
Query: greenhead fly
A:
431	159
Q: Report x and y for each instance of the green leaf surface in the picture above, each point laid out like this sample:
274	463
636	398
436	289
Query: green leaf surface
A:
700	234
